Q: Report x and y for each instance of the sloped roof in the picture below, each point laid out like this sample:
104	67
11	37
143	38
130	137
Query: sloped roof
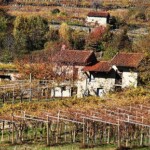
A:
102	66
127	59
120	60
98	14
78	57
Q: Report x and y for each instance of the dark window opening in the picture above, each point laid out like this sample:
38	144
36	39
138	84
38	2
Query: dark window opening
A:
118	79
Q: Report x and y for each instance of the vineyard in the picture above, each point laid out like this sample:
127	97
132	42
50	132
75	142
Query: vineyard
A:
126	126
89	121
83	3
25	91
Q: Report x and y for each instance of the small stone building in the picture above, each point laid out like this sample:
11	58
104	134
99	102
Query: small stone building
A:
69	65
105	76
100	18
82	74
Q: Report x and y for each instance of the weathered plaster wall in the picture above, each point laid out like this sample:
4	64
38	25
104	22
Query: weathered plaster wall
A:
106	84
91	85
99	20
129	79
58	92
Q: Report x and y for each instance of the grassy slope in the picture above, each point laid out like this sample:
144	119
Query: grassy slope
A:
43	147
124	98
60	147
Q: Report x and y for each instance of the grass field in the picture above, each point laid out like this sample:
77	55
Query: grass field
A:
60	147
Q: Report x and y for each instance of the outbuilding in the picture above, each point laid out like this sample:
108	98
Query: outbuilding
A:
98	18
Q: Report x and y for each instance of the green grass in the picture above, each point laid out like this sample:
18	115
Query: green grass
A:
59	147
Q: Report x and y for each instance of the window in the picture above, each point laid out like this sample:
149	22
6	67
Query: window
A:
100	92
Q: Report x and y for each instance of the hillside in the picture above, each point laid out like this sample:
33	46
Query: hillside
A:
58	53
34	114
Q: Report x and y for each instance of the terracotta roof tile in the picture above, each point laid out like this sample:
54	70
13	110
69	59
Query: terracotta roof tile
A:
98	14
102	66
120	60
127	59
78	57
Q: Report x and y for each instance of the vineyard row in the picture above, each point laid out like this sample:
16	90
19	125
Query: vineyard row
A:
125	126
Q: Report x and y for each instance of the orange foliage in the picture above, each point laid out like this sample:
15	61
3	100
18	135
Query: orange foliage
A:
39	65
97	33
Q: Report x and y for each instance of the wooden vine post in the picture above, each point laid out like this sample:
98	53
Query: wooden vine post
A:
94	135
149	137
118	133
83	131
12	128
108	135
3	128
48	140
30	98
13	100
57	126
87	132
65	132
141	136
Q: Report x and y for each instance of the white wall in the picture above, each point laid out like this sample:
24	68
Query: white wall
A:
106	84
99	20
13	76
81	87
57	92
129	79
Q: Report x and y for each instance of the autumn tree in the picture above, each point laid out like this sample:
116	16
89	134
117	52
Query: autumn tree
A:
6	37
124	42
52	34
38	64
52	46
96	4
3	27
65	33
94	40
78	39
143	46
43	66
29	33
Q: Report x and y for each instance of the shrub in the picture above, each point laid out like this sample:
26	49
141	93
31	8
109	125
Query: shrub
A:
141	16
55	11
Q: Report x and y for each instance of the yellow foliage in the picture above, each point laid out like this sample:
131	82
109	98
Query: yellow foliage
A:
124	98
7	66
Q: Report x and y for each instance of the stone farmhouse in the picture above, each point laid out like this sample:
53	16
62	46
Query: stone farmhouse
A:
120	72
69	65
85	76
100	18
